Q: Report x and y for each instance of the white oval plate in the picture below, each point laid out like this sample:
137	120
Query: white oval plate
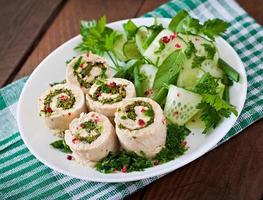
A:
37	137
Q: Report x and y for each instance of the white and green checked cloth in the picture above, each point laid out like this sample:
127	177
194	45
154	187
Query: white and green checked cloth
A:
22	176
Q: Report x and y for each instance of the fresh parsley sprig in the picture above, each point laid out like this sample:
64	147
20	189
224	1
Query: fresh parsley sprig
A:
184	23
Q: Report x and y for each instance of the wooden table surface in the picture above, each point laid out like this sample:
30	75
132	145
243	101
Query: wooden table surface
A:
31	29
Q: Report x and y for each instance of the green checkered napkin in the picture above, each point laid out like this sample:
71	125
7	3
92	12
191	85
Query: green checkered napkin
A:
22	176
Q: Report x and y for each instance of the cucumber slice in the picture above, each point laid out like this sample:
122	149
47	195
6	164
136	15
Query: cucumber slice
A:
181	105
188	76
209	65
140	37
130	50
154	56
148	71
118	47
220	89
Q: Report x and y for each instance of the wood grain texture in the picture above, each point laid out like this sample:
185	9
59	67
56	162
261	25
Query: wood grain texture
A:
22	22
66	25
254	8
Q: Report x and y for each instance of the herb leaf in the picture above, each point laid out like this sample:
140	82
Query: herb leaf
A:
206	85
213	108
211	50
214	27
197	61
130	28
174	143
61	145
116	161
184	23
190	49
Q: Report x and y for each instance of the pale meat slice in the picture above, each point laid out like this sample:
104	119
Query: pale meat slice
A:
148	140
58	119
86	153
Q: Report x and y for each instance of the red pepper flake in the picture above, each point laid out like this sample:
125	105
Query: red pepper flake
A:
177	45
112	84
69	113
63	98
155	162
176	113
124	169
143	110
99	94
81	65
178	94
82	125
115	171
183	144
69	157
173	36
163	121
165	39
75	140
141	122
148	92
49	110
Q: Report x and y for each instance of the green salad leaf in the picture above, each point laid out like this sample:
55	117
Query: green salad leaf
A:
61	145
169	69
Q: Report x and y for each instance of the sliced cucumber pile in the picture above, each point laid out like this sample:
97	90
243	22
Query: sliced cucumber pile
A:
181	105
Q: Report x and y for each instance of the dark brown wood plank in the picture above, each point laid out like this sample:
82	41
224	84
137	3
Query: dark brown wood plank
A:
22	22
254	8
66	25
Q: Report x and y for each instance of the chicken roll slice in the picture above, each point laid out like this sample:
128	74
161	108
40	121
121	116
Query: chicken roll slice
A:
105	96
141	126
85	69
91	137
59	105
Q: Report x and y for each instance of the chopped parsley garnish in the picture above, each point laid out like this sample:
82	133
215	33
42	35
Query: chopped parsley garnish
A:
129	161
197	61
61	145
174	146
63	101
211	50
190	50
109	88
91	127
